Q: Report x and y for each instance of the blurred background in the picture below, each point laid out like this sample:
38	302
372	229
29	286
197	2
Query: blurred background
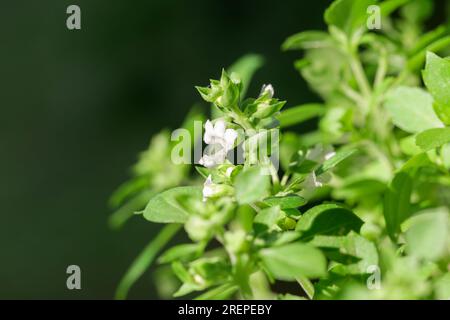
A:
77	106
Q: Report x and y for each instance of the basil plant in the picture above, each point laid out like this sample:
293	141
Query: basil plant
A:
358	208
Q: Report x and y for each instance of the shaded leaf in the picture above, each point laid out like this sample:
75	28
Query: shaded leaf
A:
327	219
411	109
429	234
289	201
294	260
251	185
164	207
299	114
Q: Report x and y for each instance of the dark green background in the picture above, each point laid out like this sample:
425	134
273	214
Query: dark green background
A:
77	106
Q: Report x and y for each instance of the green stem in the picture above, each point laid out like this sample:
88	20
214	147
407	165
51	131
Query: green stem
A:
381	70
360	75
145	259
241	120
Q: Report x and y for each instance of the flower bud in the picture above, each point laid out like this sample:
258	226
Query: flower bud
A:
267	90
212	190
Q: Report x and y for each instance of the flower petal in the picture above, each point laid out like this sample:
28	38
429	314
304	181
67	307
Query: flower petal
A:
230	136
209	132
219	128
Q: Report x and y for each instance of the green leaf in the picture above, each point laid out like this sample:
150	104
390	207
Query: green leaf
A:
359	189
445	154
145	259
389	6
327	219
341	249
428	38
307	286
245	68
181	251
335	160
222	292
416	61
251	185
289	296
128	189
442	287
417	11
348	15
299	114
204	172
437	79
411	109
428	235
267	219
293	261
118	218
164	208
307	40
289	201
397	207
433	138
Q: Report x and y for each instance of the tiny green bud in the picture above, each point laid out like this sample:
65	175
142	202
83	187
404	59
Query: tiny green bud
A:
197	228
236	241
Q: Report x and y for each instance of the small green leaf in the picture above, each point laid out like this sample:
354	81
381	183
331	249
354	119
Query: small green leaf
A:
335	160
289	201
299	114
416	62
127	190
307	40
389	6
429	234
348	15
267	219
245	68
181	251
294	260
442	287
222	292
437	79
342	249
397	207
433	138
411	109
397	204
416	11
289	296
164	208
251	185
145	259
307	286
327	219
118	218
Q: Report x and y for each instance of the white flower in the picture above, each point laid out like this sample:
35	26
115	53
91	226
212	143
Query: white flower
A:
208	190
220	140
267	89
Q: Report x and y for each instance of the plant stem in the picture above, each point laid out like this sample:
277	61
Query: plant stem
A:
381	70
360	75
